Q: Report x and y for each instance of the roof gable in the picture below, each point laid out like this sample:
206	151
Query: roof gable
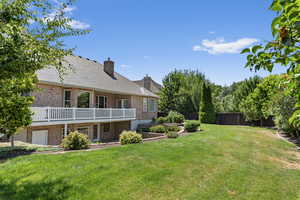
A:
87	73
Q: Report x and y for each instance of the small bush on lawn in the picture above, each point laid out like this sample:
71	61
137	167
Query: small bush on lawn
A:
76	141
162	120
130	137
191	126
158	129
173	128
172	134
175	117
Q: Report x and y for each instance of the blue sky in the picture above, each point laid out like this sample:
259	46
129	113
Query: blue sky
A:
156	36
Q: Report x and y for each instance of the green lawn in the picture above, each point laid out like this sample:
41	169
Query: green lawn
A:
221	162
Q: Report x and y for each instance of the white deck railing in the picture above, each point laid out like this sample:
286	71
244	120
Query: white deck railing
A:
49	114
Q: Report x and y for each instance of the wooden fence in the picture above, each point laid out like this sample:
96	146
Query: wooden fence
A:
239	119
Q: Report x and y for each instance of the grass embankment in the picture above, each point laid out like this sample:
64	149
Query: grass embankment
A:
221	162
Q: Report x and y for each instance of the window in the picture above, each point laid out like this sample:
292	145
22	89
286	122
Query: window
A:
149	105
145	105
152	106
84	130
123	103
83	100
101	102
67	98
106	127
95	132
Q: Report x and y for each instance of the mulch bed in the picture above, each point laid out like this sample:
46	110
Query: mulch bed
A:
290	139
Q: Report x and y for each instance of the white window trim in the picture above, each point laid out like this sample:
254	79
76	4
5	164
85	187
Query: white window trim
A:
105	101
90	97
145	104
122	102
83	127
64	96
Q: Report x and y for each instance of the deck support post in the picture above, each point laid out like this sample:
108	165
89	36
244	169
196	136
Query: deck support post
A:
66	130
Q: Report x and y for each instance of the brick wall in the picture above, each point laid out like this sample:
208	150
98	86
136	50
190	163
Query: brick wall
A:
48	95
54	133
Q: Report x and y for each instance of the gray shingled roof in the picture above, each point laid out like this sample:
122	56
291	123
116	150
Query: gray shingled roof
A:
89	74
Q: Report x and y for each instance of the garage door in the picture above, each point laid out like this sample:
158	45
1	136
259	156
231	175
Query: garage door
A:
40	137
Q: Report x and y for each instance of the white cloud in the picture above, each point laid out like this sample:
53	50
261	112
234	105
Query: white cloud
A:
78	24
212	32
69	9
73	23
219	46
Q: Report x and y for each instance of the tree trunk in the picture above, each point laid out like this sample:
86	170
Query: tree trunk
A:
261	122
12	141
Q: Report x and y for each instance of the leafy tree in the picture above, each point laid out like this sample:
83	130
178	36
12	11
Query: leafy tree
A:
207	111
181	92
243	89
31	33
284	50
217	91
258	105
190	92
283	108
169	93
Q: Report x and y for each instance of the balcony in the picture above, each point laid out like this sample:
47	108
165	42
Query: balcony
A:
53	115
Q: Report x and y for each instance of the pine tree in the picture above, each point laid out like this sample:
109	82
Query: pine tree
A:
207	111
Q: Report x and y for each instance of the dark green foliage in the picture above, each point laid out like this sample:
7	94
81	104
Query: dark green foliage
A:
258	105
181	92
14	106
191	125
162	120
228	98
158	129
30	40
130	137
175	117
173	128
75	141
243	90
283	50
172	134
207	110
169	92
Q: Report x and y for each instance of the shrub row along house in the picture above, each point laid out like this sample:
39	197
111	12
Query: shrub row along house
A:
92	99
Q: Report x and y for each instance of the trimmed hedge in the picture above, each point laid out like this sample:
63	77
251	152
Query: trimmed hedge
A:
175	117
162	120
173	128
158	129
130	137
75	141
191	126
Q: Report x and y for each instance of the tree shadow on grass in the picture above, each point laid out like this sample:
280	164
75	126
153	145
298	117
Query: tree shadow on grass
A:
56	189
9	152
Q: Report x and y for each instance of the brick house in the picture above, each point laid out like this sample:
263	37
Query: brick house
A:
92	99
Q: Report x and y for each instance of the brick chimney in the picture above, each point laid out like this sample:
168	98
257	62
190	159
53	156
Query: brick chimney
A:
147	82
109	67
